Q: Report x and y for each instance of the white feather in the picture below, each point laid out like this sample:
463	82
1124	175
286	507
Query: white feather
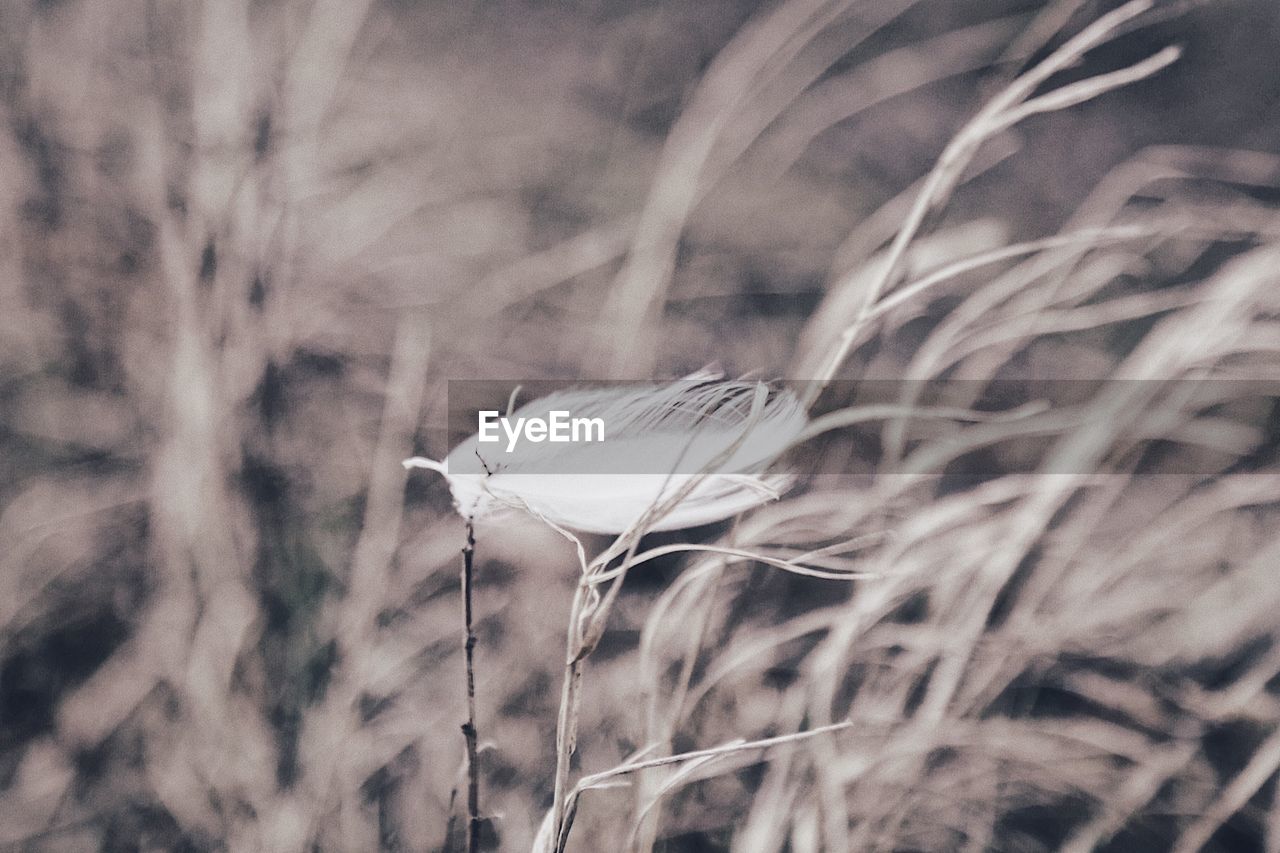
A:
711	439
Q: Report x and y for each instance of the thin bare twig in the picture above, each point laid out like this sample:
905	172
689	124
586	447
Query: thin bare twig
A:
469	727
1000	113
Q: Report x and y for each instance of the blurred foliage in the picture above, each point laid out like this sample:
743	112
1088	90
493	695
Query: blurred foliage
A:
243	247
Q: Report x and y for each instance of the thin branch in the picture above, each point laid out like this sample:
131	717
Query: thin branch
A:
469	727
731	748
1092	238
794	566
1078	93
1000	113
604	778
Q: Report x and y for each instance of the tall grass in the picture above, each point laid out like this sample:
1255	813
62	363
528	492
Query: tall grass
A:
244	245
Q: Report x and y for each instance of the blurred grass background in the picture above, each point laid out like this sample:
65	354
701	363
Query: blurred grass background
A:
243	247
